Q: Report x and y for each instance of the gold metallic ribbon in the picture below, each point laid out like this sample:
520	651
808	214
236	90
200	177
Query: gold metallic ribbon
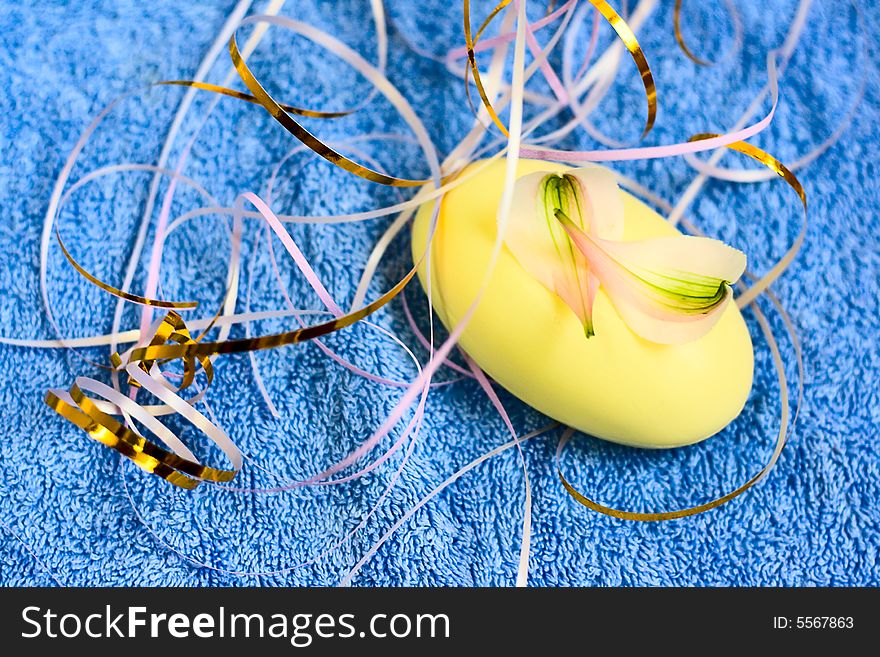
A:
635	50
307	138
471	43
134	298
623	30
85	412
232	93
196	349
676	24
774	165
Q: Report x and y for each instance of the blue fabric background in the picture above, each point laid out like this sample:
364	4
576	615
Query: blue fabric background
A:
814	521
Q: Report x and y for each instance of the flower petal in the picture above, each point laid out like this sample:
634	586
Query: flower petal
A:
604	204
669	330
540	244
680	255
668	290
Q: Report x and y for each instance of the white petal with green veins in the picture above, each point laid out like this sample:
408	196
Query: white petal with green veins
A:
540	244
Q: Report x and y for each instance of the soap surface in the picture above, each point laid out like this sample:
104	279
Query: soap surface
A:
614	385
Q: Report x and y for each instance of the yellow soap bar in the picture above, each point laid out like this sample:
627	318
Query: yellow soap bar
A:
614	385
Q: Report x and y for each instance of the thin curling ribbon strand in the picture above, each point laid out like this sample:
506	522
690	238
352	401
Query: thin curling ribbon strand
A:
310	275
607	67
522	574
775	165
133	335
644	8
159	240
278	571
346	581
580	111
671	150
369	269
378	251
416	420
240	10
330	353
782	437
287	569
272	7
506	37
31	552
464	151
422	384
632	45
516	120
591	47
679	37
291	125
60	204
682	44
762	174
539	55
623	31
472	60
382	244
413	428
746	298
740	132
122	294
598	81
340	321
783	54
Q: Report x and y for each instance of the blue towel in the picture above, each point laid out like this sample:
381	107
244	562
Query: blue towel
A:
64	499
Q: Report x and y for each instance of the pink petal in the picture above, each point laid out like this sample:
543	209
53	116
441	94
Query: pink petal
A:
605	204
641	310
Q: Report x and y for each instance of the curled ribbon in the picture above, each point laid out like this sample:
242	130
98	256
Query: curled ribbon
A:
679	38
175	462
620	26
280	114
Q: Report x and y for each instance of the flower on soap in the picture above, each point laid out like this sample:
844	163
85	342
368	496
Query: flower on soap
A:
566	230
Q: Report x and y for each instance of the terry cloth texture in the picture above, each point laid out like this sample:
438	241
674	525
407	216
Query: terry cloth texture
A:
814	521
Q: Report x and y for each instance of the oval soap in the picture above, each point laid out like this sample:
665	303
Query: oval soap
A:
614	385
